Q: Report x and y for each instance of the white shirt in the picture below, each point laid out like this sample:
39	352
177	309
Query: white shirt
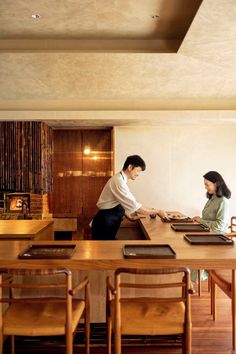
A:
116	191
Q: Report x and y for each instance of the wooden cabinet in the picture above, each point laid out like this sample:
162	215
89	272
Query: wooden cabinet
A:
82	164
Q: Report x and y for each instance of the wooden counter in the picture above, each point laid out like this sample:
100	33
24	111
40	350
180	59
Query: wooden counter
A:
97	259
26	230
107	255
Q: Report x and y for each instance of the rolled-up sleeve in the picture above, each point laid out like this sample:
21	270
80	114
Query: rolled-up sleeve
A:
122	193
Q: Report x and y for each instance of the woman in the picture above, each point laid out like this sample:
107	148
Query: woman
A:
215	214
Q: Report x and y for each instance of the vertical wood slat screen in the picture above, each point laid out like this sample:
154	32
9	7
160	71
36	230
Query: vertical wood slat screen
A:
25	157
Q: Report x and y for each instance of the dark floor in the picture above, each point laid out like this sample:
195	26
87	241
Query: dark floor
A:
97	340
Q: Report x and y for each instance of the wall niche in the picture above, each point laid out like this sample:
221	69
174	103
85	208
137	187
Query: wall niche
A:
82	164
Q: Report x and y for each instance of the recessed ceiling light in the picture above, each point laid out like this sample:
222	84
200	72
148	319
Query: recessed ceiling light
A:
155	17
35	16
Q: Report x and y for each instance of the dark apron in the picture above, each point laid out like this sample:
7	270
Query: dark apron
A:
106	223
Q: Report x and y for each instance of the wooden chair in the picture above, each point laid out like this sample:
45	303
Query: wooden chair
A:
40	303
233	225
232	233
149	315
225	280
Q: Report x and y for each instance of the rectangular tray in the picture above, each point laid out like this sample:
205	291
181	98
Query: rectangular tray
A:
173	220
189	227
148	251
206	239
47	252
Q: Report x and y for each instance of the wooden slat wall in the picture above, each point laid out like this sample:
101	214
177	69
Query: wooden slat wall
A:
25	157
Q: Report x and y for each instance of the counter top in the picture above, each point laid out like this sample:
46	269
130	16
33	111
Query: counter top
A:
23	229
107	255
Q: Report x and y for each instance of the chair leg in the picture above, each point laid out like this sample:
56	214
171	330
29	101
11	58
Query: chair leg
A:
188	346
109	335
187	341
213	299
199	272
12	345
209	282
117	343
117	335
69	339
1	343
69	347
87	332
233	308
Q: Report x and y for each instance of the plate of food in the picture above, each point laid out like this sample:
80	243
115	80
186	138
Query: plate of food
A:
176	217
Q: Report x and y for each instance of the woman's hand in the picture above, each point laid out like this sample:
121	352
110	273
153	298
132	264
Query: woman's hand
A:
197	219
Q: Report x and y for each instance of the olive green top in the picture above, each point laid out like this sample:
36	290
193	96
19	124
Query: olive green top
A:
215	214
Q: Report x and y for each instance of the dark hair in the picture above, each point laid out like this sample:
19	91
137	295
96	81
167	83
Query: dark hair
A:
135	161
221	188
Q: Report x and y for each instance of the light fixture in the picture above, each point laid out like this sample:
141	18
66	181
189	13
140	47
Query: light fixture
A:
87	150
35	16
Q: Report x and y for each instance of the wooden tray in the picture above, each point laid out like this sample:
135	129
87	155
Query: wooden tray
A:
189	227
47	252
148	251
206	239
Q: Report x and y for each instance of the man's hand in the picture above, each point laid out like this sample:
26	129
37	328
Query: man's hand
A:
132	217
197	219
163	214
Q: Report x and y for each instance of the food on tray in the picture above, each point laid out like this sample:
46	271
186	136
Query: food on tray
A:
176	216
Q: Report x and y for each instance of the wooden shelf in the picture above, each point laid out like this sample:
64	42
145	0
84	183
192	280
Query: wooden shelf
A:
78	178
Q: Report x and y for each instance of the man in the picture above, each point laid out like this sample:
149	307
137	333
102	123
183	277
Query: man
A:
116	200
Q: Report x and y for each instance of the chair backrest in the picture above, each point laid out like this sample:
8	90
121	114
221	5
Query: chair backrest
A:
150	313
233	224
153	282
27	283
45	294
180	281
37	285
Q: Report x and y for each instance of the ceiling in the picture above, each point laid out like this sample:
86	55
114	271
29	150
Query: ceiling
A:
95	25
109	62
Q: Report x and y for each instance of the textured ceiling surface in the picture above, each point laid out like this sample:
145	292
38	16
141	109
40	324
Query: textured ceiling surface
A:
89	19
108	88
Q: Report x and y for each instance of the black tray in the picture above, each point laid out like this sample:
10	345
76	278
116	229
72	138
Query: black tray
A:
189	227
206	239
47	252
173	220
148	251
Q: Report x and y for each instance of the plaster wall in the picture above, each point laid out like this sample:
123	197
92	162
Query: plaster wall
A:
176	159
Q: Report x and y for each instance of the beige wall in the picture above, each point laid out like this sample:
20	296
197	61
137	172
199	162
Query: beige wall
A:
177	157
